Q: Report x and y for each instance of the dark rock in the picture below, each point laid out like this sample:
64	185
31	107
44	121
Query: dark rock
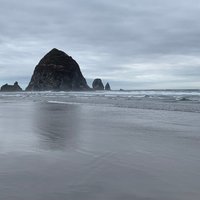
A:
57	71
107	86
97	84
11	88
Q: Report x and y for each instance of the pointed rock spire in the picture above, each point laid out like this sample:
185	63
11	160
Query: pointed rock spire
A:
107	86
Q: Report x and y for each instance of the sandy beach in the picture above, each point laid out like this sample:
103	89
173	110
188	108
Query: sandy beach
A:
59	147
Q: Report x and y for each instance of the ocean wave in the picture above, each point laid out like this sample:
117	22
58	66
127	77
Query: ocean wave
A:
166	100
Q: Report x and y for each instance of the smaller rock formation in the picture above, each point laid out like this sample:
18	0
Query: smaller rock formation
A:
107	86
11	88
97	84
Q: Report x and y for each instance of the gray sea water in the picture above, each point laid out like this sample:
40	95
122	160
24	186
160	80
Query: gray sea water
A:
118	145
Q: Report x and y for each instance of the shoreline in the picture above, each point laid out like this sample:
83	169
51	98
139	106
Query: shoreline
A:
184	102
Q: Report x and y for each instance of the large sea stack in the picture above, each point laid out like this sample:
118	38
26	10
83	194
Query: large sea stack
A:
58	72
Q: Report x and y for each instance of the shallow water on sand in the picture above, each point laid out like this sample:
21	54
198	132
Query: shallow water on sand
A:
52	150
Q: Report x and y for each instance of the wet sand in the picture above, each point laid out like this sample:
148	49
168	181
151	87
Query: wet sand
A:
59	151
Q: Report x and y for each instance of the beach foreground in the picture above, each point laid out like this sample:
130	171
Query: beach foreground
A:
58	147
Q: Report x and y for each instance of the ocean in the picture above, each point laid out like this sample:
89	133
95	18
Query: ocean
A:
106	145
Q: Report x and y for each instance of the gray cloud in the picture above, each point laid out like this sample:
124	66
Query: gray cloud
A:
146	43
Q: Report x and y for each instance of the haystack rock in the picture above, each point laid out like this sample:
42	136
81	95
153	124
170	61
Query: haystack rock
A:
11	88
107	86
58	72
97	84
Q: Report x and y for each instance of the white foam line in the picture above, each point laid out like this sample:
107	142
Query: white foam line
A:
61	102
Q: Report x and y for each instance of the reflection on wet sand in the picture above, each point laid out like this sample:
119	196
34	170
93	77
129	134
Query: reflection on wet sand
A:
57	125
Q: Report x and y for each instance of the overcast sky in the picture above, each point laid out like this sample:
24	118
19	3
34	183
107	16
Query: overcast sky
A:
138	44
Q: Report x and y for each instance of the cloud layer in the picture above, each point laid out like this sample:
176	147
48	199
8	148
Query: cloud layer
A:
138	44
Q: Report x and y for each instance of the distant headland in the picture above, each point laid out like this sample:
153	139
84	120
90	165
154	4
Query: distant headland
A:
11	88
57	71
